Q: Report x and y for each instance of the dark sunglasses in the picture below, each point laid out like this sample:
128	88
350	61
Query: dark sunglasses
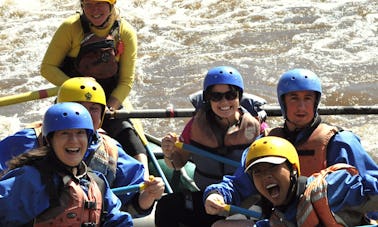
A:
217	96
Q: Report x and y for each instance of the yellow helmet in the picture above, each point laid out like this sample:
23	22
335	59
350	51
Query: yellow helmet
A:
82	89
272	149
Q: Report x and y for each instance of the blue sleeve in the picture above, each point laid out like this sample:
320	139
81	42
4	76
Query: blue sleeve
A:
114	216
347	190
22	196
234	188
345	147
129	172
16	144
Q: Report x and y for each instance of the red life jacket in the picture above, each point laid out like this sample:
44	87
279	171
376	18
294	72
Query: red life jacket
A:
76	207
312	153
98	55
231	145
313	208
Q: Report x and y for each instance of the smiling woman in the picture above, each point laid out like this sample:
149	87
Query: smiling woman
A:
221	126
68	129
56	176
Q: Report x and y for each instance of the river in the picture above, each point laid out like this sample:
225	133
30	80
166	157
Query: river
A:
179	40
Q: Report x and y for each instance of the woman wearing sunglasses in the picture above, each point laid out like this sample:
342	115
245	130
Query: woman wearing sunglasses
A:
221	126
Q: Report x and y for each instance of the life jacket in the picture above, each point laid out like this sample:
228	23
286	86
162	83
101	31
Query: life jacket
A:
104	158
98	57
313	152
230	144
76	207
313	208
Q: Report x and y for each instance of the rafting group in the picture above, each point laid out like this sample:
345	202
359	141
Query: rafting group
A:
77	167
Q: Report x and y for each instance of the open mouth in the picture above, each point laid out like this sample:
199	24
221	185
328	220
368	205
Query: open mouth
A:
273	190
96	16
72	150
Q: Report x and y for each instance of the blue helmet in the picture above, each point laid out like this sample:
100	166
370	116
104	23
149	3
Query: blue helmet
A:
223	75
298	80
67	115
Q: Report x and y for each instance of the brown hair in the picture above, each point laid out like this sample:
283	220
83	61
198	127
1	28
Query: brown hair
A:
27	158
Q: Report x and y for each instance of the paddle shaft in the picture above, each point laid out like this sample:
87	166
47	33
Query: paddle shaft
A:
239	210
201	152
140	131
272	111
28	96
128	189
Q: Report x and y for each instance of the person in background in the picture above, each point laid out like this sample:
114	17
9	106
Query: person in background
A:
319	145
101	44
104	153
51	185
336	196
220	126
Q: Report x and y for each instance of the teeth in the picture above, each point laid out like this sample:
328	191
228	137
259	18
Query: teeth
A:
72	149
271	186
225	108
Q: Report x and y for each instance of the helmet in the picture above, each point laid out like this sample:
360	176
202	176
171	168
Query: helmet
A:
82	89
223	75
271	149
112	2
298	80
67	115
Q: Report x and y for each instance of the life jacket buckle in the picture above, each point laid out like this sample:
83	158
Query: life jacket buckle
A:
90	205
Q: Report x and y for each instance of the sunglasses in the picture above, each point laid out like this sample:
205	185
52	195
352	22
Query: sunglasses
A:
217	96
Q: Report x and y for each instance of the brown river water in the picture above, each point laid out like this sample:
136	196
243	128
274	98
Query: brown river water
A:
179	40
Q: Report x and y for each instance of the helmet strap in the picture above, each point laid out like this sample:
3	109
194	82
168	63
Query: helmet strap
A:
293	184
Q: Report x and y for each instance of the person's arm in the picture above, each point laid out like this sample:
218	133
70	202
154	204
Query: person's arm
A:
129	172
345	147
64	43
358	192
153	191
18	143
174	157
127	64
112	204
22	196
233	188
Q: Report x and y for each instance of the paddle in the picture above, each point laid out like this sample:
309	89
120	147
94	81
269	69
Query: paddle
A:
140	131
201	152
28	96
239	210
272	111
129	188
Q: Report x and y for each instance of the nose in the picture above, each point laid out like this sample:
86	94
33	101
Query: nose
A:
301	103
73	137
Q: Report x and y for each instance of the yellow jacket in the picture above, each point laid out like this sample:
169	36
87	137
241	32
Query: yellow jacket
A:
66	42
